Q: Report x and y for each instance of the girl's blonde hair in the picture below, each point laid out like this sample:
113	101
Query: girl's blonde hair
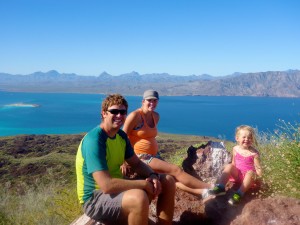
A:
250	130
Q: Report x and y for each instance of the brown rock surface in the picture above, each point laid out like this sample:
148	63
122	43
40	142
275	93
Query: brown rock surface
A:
279	211
206	163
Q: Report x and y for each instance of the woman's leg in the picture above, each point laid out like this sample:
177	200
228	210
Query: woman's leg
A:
194	191
186	179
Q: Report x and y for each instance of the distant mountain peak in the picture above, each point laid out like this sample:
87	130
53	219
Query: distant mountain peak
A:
131	74
53	72
104	74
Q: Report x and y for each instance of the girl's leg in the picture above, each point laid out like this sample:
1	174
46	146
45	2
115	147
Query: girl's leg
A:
229	171
247	182
186	179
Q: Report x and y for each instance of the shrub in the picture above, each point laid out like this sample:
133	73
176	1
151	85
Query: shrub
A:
280	155
49	204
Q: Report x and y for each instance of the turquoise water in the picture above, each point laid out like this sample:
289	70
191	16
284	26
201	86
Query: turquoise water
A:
197	115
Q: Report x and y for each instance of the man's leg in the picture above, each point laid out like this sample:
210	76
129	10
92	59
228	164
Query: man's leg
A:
165	202
104	207
135	207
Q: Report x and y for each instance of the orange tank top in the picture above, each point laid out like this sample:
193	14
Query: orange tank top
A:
143	139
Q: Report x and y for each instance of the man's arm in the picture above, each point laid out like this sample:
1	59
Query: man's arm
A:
111	185
146	171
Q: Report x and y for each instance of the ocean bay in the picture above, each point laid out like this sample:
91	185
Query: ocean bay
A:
62	113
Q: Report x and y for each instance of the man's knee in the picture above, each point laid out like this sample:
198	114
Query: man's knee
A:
135	198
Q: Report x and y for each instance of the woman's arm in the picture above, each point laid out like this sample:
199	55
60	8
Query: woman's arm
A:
130	122
156	117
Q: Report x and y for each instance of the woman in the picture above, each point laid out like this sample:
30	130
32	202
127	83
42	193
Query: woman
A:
141	128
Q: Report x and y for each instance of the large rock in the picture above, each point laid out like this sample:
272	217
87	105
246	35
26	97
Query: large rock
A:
269	211
206	162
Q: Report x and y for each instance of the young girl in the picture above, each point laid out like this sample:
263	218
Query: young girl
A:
245	166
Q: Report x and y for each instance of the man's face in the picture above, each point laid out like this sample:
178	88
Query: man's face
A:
115	116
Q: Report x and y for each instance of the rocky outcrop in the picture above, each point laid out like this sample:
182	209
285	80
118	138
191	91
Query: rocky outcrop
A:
207	162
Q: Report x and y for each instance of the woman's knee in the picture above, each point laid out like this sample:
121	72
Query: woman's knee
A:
167	182
175	170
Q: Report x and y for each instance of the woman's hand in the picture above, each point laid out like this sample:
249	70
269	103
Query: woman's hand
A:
125	169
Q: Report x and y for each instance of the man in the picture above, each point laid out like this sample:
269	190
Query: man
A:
105	195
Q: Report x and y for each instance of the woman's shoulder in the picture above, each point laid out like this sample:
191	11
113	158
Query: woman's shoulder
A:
134	113
156	114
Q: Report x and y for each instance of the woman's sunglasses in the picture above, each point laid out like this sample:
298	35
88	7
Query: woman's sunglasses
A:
117	111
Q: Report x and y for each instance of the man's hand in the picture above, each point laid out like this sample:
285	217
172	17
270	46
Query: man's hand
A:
156	185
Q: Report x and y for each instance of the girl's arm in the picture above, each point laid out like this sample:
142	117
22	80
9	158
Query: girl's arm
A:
257	165
233	155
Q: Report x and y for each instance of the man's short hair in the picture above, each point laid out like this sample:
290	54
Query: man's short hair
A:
113	99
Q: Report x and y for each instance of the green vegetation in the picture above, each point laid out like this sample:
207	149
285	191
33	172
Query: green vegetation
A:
46	204
38	183
280	153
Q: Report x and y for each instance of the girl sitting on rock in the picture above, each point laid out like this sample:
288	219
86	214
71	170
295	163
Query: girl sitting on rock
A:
245	166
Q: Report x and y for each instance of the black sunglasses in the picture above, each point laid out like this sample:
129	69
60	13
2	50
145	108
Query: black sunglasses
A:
117	111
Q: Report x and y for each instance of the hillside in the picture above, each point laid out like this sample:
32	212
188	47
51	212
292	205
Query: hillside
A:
271	83
33	156
39	184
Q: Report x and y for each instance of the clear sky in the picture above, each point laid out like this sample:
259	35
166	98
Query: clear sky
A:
179	37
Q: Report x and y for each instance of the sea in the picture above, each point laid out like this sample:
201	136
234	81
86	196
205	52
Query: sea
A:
211	116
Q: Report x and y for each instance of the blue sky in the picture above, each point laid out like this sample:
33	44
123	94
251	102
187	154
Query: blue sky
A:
179	37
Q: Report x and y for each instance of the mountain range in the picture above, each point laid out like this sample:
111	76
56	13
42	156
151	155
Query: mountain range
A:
267	84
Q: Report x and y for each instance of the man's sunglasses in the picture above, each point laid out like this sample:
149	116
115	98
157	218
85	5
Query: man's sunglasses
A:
117	111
